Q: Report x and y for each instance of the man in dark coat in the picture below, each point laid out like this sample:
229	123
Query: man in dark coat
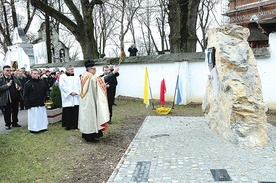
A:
48	80
22	78
10	96
35	93
111	83
132	50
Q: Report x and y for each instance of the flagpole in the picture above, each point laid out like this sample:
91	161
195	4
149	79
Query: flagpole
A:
177	80
162	90
151	94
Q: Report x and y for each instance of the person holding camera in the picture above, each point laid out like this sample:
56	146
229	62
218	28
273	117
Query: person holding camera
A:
10	96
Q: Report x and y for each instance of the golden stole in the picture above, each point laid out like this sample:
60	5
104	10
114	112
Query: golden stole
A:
85	83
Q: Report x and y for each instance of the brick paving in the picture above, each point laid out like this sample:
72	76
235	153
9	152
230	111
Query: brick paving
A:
184	149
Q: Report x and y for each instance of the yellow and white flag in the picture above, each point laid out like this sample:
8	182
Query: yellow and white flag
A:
146	88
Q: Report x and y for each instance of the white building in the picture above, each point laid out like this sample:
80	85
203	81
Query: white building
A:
60	53
19	54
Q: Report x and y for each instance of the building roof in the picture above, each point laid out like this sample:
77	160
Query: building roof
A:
255	33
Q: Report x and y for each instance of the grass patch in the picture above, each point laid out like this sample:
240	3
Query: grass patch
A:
41	157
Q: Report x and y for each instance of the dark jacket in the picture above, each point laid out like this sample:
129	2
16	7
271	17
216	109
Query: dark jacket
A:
49	81
35	92
132	51
22	80
111	80
5	92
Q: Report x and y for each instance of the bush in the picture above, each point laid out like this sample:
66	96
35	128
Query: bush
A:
102	55
56	97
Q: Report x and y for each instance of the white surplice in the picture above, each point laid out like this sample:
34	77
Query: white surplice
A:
37	119
67	85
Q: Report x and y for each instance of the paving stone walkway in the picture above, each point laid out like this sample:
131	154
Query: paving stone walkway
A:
22	117
184	149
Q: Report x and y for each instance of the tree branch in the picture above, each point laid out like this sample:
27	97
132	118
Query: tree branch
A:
58	15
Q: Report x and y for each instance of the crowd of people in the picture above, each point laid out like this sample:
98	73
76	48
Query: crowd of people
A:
21	89
87	99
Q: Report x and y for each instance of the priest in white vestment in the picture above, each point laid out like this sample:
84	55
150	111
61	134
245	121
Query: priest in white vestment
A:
69	85
93	109
35	92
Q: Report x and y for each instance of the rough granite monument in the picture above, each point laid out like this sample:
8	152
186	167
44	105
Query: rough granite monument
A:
233	103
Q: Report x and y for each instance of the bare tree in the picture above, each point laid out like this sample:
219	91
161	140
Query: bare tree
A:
78	20
148	39
154	21
105	25
204	16
132	30
161	24
9	20
127	9
144	17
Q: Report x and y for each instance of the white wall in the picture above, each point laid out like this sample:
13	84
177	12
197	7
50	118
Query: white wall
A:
131	79
267	71
193	76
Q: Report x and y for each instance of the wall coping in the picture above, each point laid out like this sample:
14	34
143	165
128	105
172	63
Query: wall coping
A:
164	58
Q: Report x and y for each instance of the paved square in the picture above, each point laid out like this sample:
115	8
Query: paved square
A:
184	149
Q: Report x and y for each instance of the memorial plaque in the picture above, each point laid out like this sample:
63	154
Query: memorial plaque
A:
211	57
141	171
220	175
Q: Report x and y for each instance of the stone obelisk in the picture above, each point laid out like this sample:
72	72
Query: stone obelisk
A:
233	103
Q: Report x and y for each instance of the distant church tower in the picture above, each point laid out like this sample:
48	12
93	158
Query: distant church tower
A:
60	53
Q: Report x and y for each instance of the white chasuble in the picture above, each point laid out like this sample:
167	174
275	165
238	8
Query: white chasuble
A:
93	109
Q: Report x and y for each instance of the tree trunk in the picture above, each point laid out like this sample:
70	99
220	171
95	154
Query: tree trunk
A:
184	15
182	21
14	14
82	27
175	24
90	50
192	39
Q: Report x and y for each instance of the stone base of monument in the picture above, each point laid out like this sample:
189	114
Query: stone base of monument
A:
54	115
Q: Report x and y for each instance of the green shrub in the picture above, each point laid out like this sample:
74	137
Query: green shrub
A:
56	97
102	55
